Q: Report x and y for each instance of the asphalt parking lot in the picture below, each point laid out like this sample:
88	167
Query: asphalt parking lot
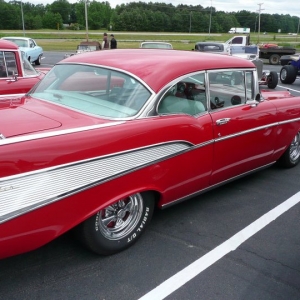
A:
240	241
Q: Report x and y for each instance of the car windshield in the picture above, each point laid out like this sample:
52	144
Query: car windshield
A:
87	47
93	90
19	42
156	45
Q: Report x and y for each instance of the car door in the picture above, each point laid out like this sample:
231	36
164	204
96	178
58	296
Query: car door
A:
33	51
244	133
183	111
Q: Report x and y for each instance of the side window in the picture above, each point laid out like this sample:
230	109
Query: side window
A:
187	96
3	71
227	88
237	40
249	85
31	44
8	65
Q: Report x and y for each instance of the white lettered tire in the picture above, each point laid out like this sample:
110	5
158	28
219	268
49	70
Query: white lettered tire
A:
118	226
291	156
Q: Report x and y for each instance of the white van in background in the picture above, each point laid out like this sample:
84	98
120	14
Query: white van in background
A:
239	30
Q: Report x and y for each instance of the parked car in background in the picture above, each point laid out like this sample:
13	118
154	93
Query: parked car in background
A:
32	51
17	75
156	45
85	47
100	142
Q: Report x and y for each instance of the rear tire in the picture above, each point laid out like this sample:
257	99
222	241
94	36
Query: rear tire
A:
274	59
272	80
38	61
291	156
117	226
288	74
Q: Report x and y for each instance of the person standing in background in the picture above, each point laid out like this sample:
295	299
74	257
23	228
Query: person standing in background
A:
113	42
105	43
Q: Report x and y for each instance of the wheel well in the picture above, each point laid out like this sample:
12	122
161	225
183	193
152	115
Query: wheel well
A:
156	196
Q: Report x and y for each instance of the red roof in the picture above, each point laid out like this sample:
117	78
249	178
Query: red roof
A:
7	45
157	67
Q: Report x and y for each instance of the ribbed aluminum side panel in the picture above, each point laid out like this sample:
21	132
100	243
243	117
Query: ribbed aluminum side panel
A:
25	193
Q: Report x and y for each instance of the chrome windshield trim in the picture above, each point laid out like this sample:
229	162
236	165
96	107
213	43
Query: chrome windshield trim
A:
139	114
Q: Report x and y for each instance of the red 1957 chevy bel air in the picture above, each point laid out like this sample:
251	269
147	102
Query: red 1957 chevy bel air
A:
104	138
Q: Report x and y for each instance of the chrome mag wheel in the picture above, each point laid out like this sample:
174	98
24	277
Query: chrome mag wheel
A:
119	219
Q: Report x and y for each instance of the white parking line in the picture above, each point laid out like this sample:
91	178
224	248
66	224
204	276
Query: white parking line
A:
288	88
194	269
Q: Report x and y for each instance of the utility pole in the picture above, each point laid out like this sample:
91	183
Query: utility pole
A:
86	21
259	11
255	23
22	18
210	16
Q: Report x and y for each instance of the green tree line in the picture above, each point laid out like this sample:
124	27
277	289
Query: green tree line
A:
136	16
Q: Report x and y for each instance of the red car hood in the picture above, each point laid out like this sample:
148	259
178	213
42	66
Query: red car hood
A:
19	116
273	95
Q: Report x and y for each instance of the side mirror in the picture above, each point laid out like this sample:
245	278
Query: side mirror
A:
13	77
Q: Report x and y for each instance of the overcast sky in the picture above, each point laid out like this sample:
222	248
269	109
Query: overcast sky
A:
290	7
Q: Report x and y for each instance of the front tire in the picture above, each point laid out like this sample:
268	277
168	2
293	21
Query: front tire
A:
291	156
288	74
117	226
272	80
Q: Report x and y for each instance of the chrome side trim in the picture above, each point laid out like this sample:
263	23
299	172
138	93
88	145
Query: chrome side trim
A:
179	200
36	136
26	192
289	121
256	129
246	132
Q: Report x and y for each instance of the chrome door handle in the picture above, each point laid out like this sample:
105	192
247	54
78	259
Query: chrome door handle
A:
223	121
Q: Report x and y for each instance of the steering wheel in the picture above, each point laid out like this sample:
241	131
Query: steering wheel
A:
217	103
